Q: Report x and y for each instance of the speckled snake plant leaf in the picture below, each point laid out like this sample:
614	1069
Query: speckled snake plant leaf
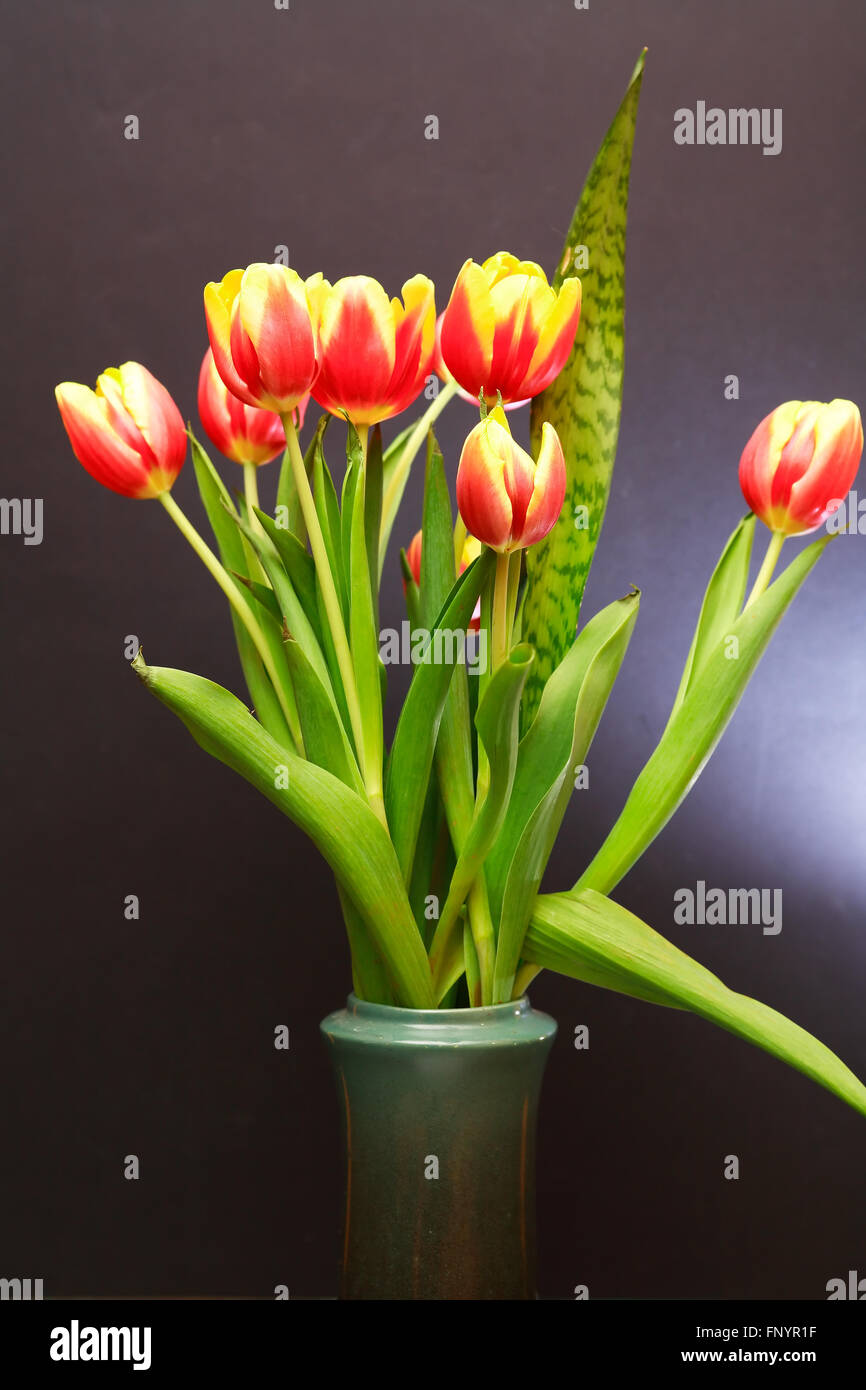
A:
583	403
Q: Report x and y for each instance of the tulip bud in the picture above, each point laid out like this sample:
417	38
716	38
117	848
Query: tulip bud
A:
413	557
262	335
505	331
243	433
507	500
800	463
128	433
375	354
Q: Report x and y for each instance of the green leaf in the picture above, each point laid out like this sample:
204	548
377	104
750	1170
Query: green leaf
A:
369	975
411	758
438	576
496	722
338	821
328	511
550	753
298	564
220	511
696	728
591	938
364	634
722	603
583	403
296	621
325	739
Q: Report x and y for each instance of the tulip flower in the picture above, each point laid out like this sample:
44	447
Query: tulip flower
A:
128	433
800	462
245	434
375	353
262	335
505	331
445	375
507	500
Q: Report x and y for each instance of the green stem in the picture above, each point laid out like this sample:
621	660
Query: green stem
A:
501	633
765	573
397	481
483	935
331	602
251	493
241	607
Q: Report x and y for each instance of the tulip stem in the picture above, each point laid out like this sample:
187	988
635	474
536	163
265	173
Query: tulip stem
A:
397	481
242	608
501	634
251	493
765	573
372	775
363	433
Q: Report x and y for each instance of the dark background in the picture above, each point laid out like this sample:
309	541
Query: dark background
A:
306	127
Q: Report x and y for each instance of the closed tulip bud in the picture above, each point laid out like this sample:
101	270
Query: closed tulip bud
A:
243	433
507	500
262	335
505	331
413	557
375	352
800	462
128	433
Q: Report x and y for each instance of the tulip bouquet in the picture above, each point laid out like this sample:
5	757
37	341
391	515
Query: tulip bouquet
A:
438	836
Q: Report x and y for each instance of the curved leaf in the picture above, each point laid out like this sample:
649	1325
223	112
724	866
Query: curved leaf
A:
589	937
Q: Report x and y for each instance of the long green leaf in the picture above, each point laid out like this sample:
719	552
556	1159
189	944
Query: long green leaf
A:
364	635
497	723
325	740
296	621
549	755
722	603
583	403
338	821
411	757
218	505
298	564
696	728
589	937
438	576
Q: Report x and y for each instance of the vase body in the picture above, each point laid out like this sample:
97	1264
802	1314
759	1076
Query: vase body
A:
438	1113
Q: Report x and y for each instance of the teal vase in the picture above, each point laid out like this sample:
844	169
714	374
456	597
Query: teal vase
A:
438	1113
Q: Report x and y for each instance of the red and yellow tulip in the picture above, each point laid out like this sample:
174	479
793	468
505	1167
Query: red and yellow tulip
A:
375	352
506	499
243	433
505	331
128	433
800	462
262	335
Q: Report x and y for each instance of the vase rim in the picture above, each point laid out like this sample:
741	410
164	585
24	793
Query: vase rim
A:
483	1014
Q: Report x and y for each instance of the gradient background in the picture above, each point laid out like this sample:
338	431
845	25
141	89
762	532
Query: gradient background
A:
305	127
